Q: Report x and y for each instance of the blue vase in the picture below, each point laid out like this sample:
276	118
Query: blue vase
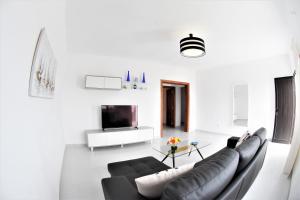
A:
143	79
128	76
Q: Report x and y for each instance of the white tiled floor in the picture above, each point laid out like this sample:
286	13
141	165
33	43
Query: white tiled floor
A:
168	131
83	170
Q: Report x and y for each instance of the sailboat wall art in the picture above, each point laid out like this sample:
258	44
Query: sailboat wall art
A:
43	69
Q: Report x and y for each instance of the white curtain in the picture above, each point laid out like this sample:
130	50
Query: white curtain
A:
292	166
295	180
295	146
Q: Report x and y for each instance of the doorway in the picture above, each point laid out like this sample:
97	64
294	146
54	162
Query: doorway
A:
170	106
285	109
174	107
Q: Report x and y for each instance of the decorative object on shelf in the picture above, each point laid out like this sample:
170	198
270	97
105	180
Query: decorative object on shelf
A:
126	84
135	83
192	47
43	69
143	82
143	78
128	76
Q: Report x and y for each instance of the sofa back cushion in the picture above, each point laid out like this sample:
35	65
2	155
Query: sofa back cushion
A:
247	151
241	183
261	133
208	178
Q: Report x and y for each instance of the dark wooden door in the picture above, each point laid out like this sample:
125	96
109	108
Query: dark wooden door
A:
285	110
171	107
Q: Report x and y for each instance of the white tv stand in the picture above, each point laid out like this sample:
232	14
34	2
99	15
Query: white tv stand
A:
100	138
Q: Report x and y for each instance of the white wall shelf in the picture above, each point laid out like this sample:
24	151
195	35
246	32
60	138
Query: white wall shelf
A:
103	82
100	138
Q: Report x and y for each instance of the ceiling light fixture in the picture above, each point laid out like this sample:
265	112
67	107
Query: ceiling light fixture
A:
192	47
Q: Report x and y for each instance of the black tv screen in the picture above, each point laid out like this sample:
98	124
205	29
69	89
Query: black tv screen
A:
119	116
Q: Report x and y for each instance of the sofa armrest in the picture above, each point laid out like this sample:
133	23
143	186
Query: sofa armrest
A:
118	187
231	142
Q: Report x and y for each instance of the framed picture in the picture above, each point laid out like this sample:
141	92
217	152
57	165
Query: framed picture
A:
43	69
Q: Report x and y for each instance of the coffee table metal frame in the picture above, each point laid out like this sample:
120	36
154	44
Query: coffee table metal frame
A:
172	152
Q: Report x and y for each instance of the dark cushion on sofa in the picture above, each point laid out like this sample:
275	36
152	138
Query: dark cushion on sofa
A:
261	133
208	178
231	142
247	151
136	168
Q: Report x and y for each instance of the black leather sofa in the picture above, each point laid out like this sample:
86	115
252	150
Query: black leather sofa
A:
226	175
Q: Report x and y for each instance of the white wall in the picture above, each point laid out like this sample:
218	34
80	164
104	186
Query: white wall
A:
240	102
1	14
32	143
81	106
291	12
215	99
178	106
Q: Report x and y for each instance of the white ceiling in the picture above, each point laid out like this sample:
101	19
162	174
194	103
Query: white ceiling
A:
234	30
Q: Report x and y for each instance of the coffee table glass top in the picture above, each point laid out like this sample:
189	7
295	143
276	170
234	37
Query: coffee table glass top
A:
183	148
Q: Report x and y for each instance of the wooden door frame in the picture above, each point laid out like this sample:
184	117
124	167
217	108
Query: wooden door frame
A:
187	103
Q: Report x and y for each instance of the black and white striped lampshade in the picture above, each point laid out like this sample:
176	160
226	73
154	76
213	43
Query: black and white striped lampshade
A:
192	47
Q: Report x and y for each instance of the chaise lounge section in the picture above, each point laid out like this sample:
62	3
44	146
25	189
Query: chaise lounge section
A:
226	175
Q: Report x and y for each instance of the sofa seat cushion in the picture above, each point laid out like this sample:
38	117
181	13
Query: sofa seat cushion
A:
207	180
119	188
247	151
136	168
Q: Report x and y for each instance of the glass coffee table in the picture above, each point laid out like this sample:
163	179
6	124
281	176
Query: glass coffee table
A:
185	147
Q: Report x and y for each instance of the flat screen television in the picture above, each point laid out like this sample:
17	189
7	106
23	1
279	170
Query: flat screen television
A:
119	116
